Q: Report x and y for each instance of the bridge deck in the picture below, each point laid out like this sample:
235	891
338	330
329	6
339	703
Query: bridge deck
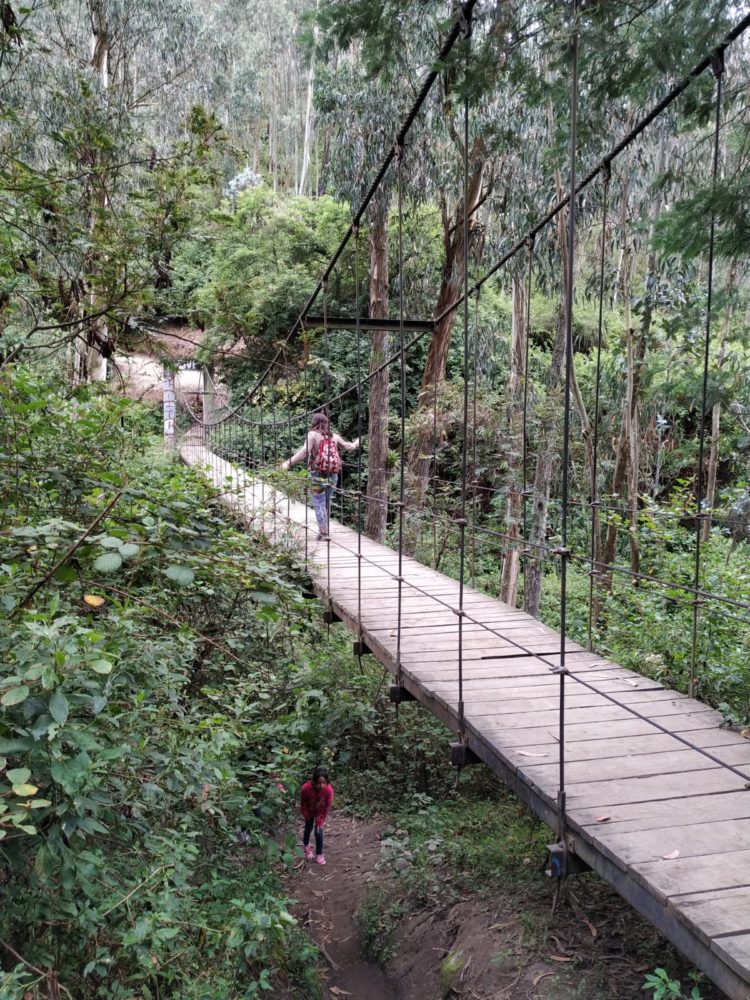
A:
665	825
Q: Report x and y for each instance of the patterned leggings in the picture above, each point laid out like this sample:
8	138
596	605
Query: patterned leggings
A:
322	488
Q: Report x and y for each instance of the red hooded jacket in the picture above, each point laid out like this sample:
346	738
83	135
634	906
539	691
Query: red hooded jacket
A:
314	804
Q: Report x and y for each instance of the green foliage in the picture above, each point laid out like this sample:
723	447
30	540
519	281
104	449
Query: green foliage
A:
377	919
662	987
148	709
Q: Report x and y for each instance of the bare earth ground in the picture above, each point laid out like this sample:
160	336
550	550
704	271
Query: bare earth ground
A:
329	898
480	949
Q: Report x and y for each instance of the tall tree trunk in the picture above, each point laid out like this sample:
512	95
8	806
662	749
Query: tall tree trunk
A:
588	441
420	454
94	365
515	428
713	455
632	429
308	111
377	442
548	437
627	455
325	154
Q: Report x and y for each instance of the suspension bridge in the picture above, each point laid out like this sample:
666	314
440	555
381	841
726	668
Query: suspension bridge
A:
640	783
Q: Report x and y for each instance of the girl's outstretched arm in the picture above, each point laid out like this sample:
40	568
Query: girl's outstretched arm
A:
346	445
303	452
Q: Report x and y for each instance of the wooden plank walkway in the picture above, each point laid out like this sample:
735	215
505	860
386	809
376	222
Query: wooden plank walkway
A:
676	840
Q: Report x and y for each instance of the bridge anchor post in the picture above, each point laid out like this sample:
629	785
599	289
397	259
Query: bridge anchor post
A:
330	617
360	648
563	861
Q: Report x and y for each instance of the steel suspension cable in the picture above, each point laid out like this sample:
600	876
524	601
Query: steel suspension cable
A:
564	552
718	70
595	523
275	449
434	472
290	438
328	493
307	461
262	450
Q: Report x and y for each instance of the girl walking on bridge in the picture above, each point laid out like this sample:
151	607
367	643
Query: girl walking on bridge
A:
321	455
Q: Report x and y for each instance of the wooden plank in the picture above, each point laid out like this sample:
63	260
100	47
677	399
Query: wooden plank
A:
477	680
435	624
596	730
482	707
682	875
735	950
607	747
634	766
693	808
550	718
715	914
600	794
696	840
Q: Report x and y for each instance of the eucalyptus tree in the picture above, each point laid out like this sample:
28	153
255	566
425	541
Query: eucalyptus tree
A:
612	95
90	201
398	42
362	99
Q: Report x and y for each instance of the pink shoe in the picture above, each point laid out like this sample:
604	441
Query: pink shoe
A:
308	852
320	860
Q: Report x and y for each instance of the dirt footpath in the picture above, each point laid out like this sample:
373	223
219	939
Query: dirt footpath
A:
329	898
476	947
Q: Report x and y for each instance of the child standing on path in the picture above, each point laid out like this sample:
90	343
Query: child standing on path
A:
320	452
315	802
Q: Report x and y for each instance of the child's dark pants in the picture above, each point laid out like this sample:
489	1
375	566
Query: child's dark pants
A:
309	824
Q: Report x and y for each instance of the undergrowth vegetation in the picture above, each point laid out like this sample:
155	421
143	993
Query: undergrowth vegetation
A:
160	705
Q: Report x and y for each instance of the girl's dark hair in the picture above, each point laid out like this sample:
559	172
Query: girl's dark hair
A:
319	772
320	422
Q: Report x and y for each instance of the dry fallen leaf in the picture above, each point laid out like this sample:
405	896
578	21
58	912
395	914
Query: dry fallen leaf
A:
528	753
602	819
670	857
592	930
93	600
560	958
540	976
337	992
745	733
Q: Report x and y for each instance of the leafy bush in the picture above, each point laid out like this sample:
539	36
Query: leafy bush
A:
156	699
